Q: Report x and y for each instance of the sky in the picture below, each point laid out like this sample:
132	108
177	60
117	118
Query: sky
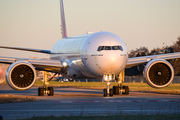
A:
36	23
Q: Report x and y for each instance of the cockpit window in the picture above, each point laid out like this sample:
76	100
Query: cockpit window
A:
120	48
115	48
107	48
100	48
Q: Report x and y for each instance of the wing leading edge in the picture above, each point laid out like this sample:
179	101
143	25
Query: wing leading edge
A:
27	49
140	60
39	64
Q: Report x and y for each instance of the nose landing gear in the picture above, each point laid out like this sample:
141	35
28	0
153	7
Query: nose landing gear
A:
116	89
108	91
108	77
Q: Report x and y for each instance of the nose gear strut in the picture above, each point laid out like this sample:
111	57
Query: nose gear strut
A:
108	77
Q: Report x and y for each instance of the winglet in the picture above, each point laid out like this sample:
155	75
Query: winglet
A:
63	22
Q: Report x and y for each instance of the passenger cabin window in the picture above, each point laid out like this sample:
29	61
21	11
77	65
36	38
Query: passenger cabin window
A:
100	48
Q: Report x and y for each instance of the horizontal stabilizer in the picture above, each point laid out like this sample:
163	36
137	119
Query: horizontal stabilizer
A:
28	49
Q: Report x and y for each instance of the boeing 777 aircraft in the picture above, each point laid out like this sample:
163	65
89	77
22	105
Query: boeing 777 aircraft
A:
90	56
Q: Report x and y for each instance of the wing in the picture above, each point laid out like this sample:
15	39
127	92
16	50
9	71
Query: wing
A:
139	60
28	49
39	64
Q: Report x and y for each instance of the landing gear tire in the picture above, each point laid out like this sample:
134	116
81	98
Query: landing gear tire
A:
1	118
126	90
51	91
40	91
105	92
115	90
111	92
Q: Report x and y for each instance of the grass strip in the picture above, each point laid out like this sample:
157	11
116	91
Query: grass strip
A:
102	85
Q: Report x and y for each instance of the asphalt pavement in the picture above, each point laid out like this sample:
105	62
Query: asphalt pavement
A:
75	102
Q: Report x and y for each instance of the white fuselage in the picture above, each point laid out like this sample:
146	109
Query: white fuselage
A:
84	58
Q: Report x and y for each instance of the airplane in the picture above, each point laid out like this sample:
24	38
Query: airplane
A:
91	56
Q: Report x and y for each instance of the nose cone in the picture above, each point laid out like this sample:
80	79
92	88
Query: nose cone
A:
100	61
110	63
111	59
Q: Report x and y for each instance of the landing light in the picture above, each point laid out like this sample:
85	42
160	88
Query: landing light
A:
65	64
105	77
108	76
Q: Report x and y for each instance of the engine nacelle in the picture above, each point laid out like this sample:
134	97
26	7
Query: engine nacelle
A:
21	75
158	73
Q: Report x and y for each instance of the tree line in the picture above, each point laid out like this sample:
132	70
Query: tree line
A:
143	51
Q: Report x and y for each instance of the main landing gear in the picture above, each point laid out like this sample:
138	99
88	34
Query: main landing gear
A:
49	91
45	89
116	89
120	89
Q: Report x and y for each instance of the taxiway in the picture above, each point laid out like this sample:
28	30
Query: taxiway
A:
73	101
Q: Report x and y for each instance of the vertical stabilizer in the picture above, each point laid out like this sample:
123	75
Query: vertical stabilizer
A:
63	22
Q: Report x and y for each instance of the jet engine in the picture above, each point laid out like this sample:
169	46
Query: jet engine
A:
20	75
158	73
